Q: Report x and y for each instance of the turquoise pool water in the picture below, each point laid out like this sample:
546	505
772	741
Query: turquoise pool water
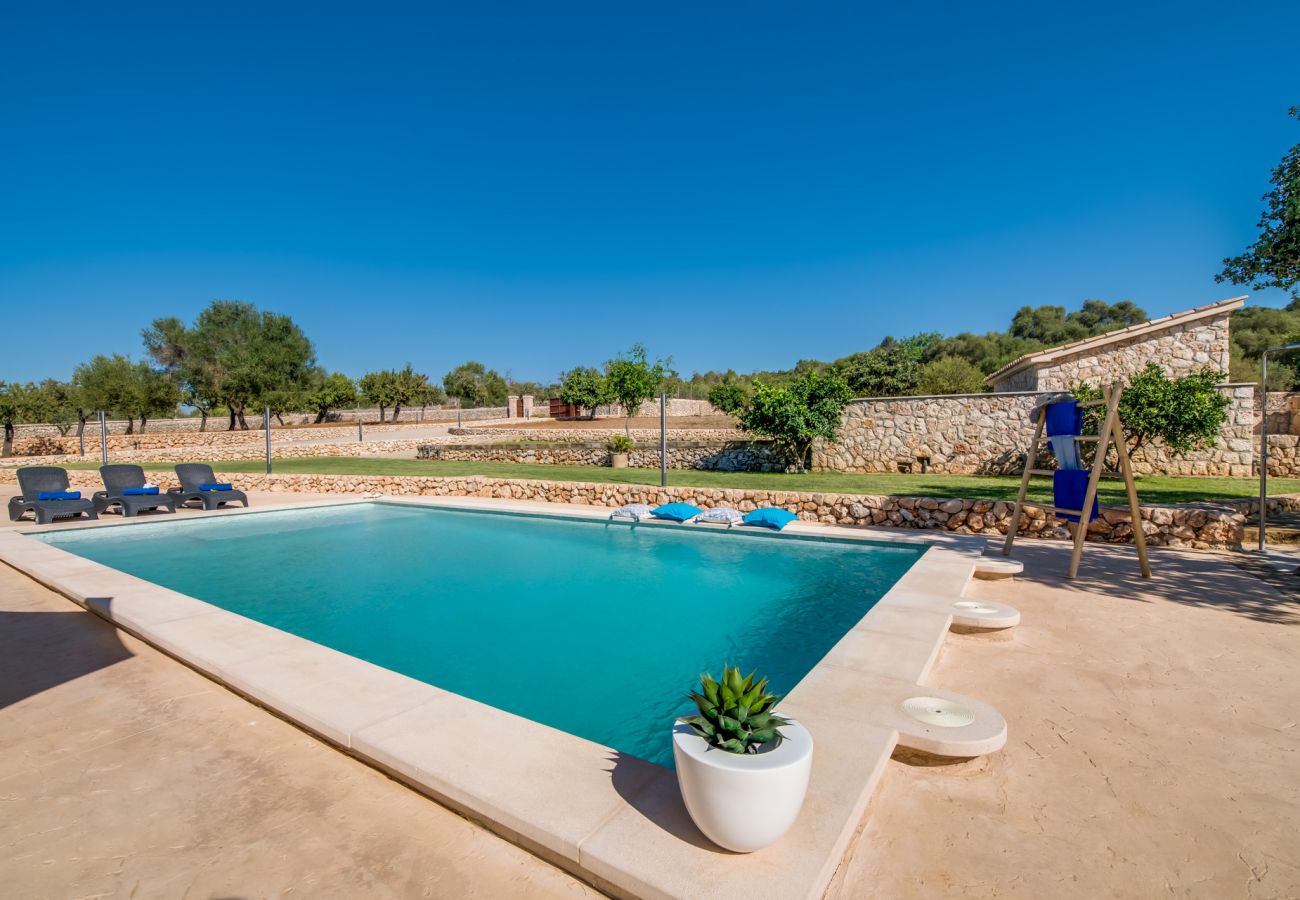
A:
594	628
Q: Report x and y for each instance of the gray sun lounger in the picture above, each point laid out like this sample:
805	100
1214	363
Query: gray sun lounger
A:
36	480
117	478
191	476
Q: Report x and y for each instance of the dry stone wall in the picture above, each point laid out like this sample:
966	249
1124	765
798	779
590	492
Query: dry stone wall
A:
215	440
218	424
741	456
1202	527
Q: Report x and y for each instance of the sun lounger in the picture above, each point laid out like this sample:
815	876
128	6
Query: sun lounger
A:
198	482
125	487
50	482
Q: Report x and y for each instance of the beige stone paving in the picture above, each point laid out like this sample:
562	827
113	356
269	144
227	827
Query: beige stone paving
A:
125	774
1154	748
1153	752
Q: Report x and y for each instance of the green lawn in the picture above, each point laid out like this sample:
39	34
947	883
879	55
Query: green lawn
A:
1154	489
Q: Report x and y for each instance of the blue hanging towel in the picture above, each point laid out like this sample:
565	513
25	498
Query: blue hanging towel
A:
1064	417
1068	489
1064	421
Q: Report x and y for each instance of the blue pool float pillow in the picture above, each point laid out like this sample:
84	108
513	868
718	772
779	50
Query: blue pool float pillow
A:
216	486
59	495
677	512
770	517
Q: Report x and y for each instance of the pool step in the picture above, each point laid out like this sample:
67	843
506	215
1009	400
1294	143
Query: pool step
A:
991	568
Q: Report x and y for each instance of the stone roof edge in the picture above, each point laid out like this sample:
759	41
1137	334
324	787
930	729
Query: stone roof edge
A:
1119	334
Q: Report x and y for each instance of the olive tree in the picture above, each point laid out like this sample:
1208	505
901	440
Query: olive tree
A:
475	385
330	392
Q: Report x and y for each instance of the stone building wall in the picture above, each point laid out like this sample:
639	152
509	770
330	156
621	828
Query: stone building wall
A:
982	434
1181	349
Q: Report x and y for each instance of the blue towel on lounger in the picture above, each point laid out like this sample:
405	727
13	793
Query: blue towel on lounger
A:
59	495
216	486
1068	489
139	492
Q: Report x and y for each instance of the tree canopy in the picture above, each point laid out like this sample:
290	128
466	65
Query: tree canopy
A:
584	388
475	385
1184	414
631	379
1273	261
235	356
795	415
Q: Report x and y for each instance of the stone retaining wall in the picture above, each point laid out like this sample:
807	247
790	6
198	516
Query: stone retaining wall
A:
643	436
218	424
227	453
47	446
1200	526
740	456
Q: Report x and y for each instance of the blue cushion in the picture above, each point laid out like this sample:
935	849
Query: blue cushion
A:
1068	489
678	512
1064	418
139	492
770	517
59	495
216	486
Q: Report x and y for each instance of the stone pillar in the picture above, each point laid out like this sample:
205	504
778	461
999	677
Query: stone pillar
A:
528	405
511	401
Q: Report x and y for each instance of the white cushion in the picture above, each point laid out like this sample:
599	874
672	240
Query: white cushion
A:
720	515
632	511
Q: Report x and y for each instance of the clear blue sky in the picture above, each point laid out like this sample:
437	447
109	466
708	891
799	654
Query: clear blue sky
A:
537	186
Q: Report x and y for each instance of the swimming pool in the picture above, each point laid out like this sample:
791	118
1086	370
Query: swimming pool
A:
595	628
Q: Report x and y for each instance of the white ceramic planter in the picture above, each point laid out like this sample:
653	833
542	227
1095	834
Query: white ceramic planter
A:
743	801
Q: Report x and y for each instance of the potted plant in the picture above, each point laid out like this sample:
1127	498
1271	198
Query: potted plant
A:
743	771
619	446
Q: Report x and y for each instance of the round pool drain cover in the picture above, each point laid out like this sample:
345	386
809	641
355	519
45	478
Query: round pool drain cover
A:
937	711
975	607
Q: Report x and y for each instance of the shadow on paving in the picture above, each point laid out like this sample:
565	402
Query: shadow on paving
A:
1211	580
41	650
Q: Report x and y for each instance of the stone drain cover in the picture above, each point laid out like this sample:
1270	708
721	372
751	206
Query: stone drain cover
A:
937	711
975	607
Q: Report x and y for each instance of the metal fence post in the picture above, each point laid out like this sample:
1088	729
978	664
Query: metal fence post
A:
663	439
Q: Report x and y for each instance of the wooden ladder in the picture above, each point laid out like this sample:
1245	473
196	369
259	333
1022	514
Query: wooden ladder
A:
1111	433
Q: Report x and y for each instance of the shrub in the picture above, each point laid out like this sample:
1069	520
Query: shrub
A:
620	443
950	375
1184	414
797	414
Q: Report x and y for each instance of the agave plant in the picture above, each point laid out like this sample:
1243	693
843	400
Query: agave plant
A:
735	712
